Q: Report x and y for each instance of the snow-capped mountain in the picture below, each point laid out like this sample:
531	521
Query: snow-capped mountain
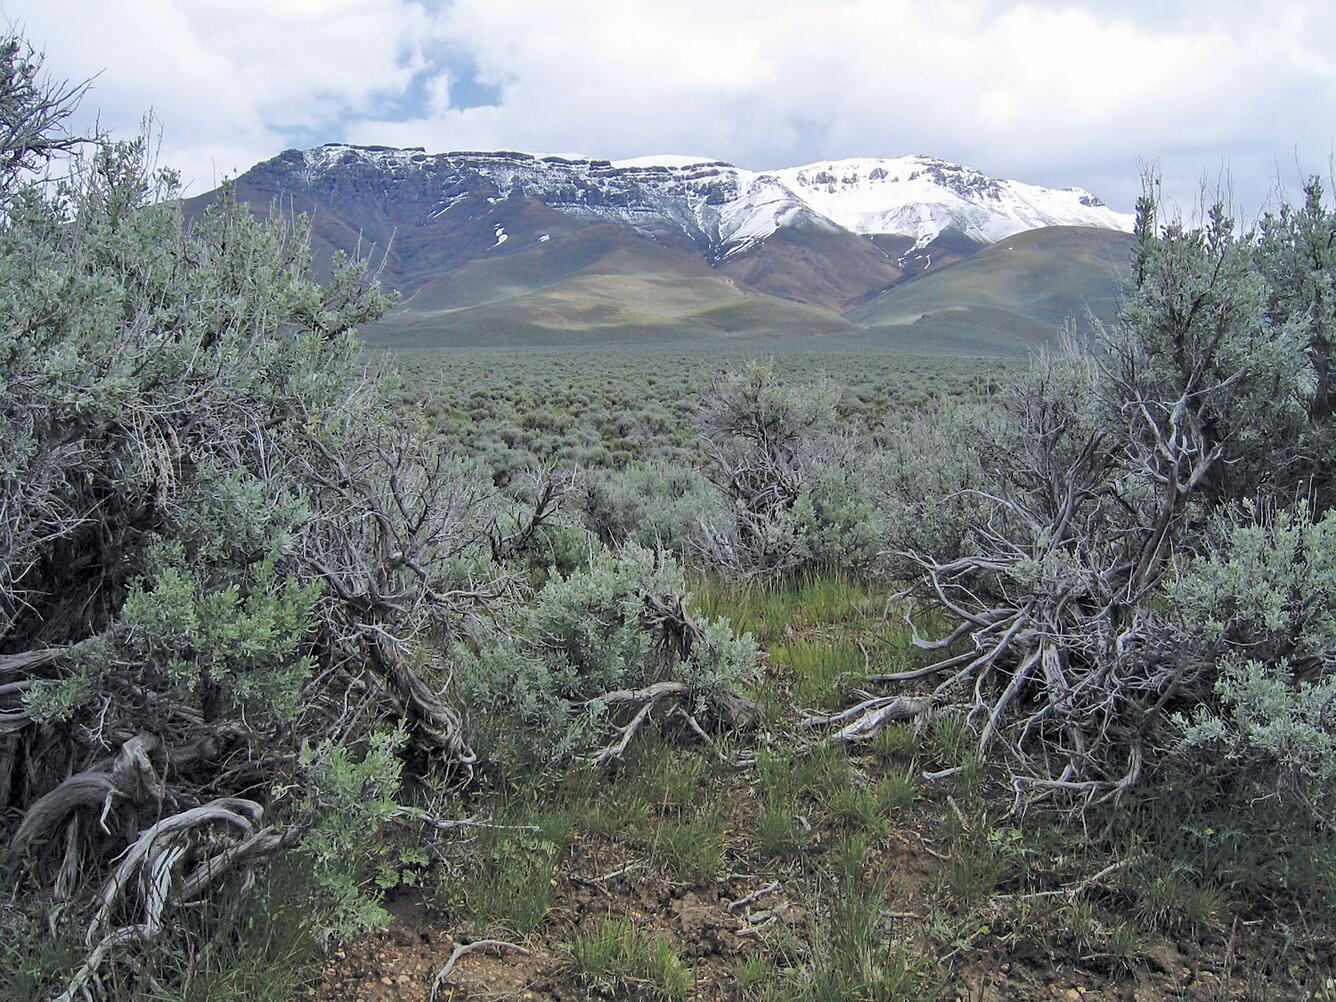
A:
577	238
726	210
720	208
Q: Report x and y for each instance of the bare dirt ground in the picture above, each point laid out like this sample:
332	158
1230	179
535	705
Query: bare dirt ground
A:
714	934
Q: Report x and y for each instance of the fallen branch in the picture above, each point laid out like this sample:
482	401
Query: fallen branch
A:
730	709
869	716
621	872
757	921
1071	890
753	896
463	950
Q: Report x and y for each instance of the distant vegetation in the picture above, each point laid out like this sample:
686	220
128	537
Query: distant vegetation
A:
832	678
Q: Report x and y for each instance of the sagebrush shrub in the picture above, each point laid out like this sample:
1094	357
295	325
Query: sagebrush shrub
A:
540	680
1258	612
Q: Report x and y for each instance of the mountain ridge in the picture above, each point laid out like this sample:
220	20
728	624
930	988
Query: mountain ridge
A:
732	207
562	244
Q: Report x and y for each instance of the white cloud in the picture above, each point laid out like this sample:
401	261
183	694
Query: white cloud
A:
1054	92
228	80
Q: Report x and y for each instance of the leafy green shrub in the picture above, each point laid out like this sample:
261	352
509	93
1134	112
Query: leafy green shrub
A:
549	683
357	797
653	505
836	521
1051	522
784	474
224	567
1259	611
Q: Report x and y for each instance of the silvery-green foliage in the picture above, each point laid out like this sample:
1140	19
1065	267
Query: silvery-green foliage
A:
539	678
243	644
836	520
654	505
721	662
216	552
1264	588
785	475
1060	509
919	477
1296	255
1257	612
1273	734
1198	319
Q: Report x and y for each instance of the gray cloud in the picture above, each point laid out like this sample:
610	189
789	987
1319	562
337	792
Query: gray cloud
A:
1056	93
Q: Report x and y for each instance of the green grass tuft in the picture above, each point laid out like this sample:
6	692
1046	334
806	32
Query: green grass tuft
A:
615	955
778	832
823	671
898	790
895	741
690	850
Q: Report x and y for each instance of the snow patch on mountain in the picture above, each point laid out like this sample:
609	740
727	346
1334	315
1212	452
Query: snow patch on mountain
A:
922	196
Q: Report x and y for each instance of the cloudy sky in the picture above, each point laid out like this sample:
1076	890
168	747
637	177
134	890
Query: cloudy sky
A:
1074	93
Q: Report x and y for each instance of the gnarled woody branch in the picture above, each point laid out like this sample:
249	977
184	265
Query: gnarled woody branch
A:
1066	670
150	863
129	775
729	710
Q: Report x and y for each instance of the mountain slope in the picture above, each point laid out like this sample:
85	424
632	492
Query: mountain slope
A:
1012	294
488	244
626	288
830	268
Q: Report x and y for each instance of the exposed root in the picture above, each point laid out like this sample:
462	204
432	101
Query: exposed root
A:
597	883
868	717
129	775
756	895
756	921
435	723
463	950
1073	890
150	865
618	747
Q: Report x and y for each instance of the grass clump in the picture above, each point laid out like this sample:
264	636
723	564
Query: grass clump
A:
778	832
615	955
786	776
505	884
898	790
1172	898
851	956
859	810
952	740
822	670
895	741
690	850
